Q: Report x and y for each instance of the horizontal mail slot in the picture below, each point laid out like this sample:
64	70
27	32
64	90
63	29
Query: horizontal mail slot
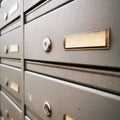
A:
106	80
91	40
11	62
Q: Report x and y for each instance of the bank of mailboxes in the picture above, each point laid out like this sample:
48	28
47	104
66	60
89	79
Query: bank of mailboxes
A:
78	36
60	62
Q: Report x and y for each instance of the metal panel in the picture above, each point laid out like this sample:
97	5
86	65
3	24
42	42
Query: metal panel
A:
10	44
67	100
28	4
10	27
101	79
11	62
45	7
76	17
10	9
9	109
11	80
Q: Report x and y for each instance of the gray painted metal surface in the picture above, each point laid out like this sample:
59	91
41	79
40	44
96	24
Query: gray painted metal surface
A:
48	4
69	99
86	88
75	17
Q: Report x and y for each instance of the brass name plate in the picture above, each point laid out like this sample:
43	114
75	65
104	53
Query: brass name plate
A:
66	117
14	48
13	9
14	86
90	40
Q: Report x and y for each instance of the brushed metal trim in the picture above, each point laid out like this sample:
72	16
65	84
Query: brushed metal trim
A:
89	40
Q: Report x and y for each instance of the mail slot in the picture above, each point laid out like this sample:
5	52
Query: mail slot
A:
11	62
10	44
43	5
11	80
100	79
9	11
29	4
68	101
9	109
83	33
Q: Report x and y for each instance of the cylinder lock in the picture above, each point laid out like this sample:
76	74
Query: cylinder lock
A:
47	109
46	44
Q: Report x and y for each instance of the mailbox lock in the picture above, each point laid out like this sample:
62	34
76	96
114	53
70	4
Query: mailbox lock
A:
5	16
46	44
47	109
6	114
6	49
